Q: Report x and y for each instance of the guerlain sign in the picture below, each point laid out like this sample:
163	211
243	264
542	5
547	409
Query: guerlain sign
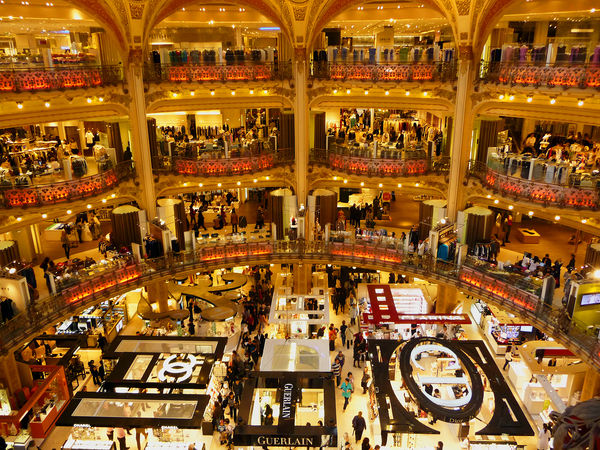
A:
288	441
286	401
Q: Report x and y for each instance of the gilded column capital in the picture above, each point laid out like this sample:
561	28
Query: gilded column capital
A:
465	52
135	60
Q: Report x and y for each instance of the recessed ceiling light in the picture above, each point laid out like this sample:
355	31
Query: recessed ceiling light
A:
47	104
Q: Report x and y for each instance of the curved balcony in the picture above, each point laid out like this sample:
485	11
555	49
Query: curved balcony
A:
205	72
386	71
571	195
237	164
65	191
541	75
85	290
59	78
387	163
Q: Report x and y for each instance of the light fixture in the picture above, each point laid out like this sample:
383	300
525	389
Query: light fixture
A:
529	99
510	207
89	100
19	219
366	92
239	183
425	93
557	218
334	178
345	181
593	10
44	216
380	185
501	97
443	221
530	213
265	91
552	100
511	97
69	211
12	270
348	91
583	220
47	104
496	201
489	196
255	180
387	92
184	184
19	105
596	273
580	102
200	184
267	178
335	91
100	99
174	94
212	92
417	184
219	185
399	185
192	93
103	200
88	206
407	93
113	195
232	92
362	183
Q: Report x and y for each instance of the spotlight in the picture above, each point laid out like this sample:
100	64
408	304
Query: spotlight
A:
552	100
192	93
366	92
100	99
425	93
219	185
362	183
583	220
557	218
345	181
387	92
265	91
399	185
348	91
496	201
580	102
88	206
251	91
232	92
335	91
511	97
19	105
44	216
510	207
89	99
530	213
501	97
47	104
69	211
212	92
407	93
529	99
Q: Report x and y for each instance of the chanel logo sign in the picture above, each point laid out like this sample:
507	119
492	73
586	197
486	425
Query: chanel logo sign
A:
180	370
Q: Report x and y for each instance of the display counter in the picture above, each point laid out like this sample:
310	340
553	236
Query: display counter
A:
503	330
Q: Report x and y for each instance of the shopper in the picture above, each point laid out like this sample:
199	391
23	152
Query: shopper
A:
337	372
332	336
507	358
571	264
358	425
544	439
366	445
439	446
349	337
64	239
343	329
120	432
340	359
364	382
346	388
234	219
94	372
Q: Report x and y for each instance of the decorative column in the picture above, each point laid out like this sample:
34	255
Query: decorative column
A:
461	134
140	145
158	293
591	385
447	299
301	124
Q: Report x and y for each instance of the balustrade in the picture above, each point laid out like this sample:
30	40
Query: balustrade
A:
402	71
534	191
206	167
90	288
65	191
60	77
198	72
548	75
391	164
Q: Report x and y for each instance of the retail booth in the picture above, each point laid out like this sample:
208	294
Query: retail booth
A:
298	401
296	355
298	316
423	381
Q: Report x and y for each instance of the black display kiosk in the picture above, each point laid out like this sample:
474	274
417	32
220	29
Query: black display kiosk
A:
285	431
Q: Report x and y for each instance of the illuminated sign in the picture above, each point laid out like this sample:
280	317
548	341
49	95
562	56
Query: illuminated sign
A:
286	401
287	441
180	370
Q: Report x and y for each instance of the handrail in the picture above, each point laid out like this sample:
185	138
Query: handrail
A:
65	191
384	71
253	163
381	167
388	256
58	77
204	71
535	191
540	74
